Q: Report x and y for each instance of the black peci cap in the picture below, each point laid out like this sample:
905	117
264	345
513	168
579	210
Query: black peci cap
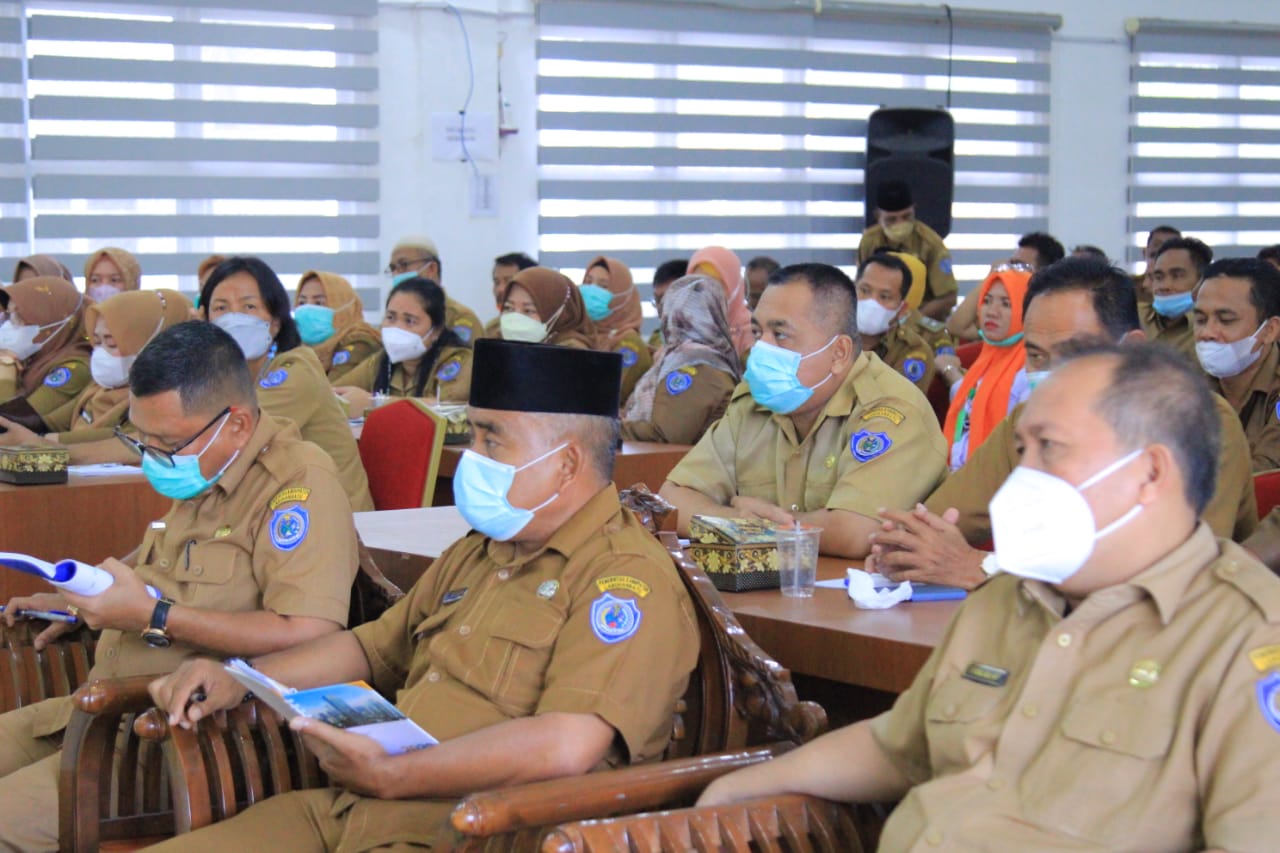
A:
892	196
516	377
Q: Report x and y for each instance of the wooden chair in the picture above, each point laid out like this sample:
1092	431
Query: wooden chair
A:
400	449
28	676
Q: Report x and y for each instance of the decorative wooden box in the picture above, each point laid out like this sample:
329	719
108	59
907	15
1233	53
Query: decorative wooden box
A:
738	554
33	465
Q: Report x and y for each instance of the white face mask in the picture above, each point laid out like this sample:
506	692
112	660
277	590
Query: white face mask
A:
19	340
1223	360
402	345
253	334
874	318
110	371
1044	528
521	327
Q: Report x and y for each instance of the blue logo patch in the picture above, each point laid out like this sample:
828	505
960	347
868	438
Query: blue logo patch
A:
944	266
866	445
1278	410
614	619
1267	690
463	332
946	350
289	527
274	379
914	369
58	378
678	382
449	372
342	356
629	356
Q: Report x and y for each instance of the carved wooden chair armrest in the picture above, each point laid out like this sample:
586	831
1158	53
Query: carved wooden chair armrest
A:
790	822
496	819
28	676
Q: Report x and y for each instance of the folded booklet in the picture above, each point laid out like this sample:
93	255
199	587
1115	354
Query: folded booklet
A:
356	707
71	575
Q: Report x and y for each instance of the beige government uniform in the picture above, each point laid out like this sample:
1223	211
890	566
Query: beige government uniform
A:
636	360
486	637
1260	414
54	399
926	245
1176	332
450	380
935	333
464	322
275	533
686	402
352	351
876	444
908	353
293	386
90	424
1232	512
1135	722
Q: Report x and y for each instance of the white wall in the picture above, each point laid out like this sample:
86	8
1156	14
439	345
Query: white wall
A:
424	69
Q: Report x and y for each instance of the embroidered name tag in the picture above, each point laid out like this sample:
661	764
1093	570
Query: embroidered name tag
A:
985	673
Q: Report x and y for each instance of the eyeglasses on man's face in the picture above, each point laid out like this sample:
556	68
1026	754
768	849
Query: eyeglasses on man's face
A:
406	264
165	457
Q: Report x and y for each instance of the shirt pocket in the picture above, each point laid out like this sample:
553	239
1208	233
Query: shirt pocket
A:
518	651
206	574
961	723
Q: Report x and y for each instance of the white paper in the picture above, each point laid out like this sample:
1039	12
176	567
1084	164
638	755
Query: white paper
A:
447	129
105	469
484	196
865	594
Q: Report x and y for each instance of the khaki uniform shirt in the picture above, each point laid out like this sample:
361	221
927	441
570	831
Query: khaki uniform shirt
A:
1146	719
597	622
493	328
350	354
686	403
876	444
1176	333
926	245
907	352
935	334
54	399
275	533
636	361
293	386
1232	512
464	322
1260	414
450	378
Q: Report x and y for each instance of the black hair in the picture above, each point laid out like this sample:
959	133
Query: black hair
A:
431	296
762	262
1201	254
1091	251
1270	253
890	262
519	260
1111	288
274	297
1163	229
1264	282
669	271
834	295
1048	249
201	362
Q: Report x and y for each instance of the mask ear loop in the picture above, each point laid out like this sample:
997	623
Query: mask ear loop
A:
60	324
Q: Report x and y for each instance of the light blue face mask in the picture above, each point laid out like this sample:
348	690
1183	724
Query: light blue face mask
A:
1007	342
315	323
404	276
480	489
1035	377
184	480
772	375
596	299
1174	305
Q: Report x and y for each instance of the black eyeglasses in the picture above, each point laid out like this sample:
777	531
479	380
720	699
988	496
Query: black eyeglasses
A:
165	457
405	264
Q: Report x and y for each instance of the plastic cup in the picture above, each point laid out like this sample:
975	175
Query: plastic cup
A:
798	560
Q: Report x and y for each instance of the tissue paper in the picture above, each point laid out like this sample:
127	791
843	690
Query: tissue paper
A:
869	592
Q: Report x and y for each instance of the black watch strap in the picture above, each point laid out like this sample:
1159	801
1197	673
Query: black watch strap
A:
157	633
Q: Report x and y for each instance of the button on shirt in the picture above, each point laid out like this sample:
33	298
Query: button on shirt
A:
1131	724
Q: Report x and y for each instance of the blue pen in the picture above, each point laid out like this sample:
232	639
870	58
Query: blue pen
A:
46	615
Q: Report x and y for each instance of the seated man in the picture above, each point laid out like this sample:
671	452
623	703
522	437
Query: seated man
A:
1075	300
898	229
550	641
1236	322
821	432
883	284
257	554
1178	267
416	255
1118	688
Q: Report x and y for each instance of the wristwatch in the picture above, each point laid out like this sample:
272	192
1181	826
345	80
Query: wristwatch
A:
989	566
156	634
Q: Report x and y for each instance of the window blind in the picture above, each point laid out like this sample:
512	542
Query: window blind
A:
13	137
664	127
177	130
1204	134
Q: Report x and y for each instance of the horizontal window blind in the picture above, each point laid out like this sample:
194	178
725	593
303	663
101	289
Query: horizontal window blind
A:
177	130
1204	134
14	195
666	127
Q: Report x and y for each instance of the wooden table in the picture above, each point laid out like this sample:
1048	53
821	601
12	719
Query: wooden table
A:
87	518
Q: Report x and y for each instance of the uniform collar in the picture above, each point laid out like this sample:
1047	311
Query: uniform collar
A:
839	406
1265	379
580	527
262	434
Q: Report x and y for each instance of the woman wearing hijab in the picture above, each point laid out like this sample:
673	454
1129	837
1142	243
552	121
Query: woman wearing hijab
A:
724	266
244	297
330	318
110	271
34	266
44	353
694	373
422	356
613	304
542	306
985	394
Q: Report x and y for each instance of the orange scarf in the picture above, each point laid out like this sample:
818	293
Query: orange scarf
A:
995	368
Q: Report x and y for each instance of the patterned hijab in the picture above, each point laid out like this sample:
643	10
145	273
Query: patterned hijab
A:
728	270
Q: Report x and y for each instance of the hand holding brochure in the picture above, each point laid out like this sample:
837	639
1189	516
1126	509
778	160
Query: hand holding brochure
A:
356	707
71	575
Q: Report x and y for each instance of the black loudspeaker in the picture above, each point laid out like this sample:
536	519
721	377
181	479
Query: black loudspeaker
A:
916	146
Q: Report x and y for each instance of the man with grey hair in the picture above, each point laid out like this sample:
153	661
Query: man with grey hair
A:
1118	686
821	432
553	639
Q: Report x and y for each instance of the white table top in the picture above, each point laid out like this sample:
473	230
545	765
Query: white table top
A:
425	532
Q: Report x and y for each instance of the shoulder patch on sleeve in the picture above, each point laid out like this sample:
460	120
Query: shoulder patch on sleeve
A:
289	527
945	266
946	350
1263	658
887	412
678	381
1268	690
341	357
614	619
866	445
449	371
274	379
635	586
914	369
293	493
58	377
463	331
629	355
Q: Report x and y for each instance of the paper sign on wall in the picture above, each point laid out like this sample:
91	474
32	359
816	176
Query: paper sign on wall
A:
481	130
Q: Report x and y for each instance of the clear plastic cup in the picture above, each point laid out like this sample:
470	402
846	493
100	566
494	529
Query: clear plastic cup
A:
798	560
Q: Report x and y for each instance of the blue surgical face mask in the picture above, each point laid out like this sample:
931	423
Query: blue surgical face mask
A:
1174	305
184	480
315	323
773	376
480	489
1007	342
404	276
1035	377
596	299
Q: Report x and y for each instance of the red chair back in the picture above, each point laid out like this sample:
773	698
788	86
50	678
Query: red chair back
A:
400	447
968	353
1266	488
